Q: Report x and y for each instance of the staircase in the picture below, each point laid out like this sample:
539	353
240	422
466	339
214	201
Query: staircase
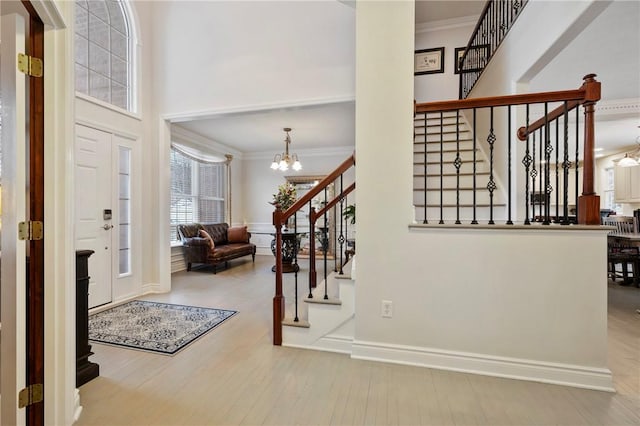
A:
324	324
443	139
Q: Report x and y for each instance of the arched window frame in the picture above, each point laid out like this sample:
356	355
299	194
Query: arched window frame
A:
132	71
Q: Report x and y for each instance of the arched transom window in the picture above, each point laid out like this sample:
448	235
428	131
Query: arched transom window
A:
103	52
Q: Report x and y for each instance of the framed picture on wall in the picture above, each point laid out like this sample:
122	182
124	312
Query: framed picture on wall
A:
476	58
429	61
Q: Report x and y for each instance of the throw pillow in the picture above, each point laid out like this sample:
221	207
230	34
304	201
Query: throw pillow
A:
204	234
237	234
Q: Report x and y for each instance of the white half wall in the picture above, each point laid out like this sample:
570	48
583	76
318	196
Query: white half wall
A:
526	303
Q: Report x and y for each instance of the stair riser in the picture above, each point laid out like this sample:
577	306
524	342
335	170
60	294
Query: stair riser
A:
449	197
434	147
435	120
446	137
466	181
449	168
447	157
466	215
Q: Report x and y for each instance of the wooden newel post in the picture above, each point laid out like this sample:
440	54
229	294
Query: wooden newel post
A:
278	299
589	201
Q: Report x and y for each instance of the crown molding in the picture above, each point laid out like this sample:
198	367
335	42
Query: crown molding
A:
195	140
446	24
618	107
303	153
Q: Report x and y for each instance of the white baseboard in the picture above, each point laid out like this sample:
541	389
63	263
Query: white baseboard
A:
152	288
337	344
78	408
512	368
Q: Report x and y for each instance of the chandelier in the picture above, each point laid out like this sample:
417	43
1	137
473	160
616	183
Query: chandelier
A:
631	158
284	161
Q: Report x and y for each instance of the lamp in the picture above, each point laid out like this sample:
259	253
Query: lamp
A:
631	158
284	161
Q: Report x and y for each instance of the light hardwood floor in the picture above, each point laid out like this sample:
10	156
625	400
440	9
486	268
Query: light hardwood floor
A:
234	375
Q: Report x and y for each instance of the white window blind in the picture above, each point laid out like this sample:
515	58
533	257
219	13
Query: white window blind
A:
197	191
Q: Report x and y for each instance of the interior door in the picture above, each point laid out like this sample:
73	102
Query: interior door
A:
93	194
13	275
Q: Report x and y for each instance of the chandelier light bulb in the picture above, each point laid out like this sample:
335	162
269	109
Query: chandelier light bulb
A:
296	166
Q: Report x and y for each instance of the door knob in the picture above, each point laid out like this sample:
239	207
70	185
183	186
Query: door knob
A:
106	227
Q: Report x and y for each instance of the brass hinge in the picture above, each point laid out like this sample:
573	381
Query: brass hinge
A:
32	230
30	65
32	394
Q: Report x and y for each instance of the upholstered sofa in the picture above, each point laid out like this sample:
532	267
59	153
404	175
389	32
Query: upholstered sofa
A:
214	243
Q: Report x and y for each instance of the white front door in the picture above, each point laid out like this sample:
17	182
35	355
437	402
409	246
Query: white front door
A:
94	201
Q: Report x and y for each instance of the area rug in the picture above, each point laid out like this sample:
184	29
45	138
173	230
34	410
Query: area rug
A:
152	326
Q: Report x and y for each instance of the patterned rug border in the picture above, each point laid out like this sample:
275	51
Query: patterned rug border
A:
183	345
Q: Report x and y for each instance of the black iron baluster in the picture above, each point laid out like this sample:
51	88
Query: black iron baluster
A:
441	165
566	165
540	179
577	163
346	230
312	249
509	221
547	159
526	161
457	163
475	220
341	237
491	185
325	243
295	263
557	218
534	173
425	169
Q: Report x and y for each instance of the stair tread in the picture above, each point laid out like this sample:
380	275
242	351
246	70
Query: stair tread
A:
444	141
463	205
445	151
300	323
421	175
321	301
478	188
421	163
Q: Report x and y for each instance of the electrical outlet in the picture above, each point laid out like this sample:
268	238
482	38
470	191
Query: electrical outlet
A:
387	309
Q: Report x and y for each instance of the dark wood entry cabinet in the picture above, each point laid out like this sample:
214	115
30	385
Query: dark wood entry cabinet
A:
85	369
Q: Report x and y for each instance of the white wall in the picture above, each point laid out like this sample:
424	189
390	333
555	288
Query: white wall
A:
450	34
224	54
260	183
496	315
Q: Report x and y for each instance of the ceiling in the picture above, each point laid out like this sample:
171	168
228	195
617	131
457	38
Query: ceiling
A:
313	126
333	125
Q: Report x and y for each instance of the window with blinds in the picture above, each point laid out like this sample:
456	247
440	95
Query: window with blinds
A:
197	191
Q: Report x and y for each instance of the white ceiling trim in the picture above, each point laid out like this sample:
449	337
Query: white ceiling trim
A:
216	113
618	107
446	24
49	13
206	145
303	153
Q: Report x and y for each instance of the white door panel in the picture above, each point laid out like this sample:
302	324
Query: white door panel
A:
13	275
93	177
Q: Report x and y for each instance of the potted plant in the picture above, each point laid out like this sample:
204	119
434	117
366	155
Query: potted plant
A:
285	197
349	213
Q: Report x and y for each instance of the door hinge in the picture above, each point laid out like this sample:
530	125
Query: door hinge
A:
32	230
32	394
30	65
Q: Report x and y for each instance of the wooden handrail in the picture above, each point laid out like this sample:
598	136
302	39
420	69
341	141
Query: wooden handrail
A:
591	89
528	98
523	131
351	161
335	201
